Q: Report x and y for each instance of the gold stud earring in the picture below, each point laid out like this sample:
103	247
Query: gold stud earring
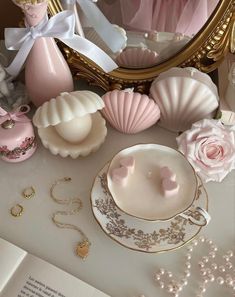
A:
17	210
28	193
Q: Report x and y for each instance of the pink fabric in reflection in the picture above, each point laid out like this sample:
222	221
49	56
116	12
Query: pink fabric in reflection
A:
166	14
183	16
193	17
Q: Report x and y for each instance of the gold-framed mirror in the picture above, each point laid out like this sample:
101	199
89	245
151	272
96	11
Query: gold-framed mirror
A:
205	51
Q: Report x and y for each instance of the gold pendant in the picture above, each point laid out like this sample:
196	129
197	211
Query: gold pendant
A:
82	249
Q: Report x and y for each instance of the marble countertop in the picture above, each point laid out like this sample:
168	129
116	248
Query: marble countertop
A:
110	267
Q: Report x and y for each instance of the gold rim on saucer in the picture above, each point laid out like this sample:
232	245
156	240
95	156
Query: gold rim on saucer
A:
156	220
127	231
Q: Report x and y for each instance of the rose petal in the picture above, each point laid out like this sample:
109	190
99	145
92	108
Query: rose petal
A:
210	148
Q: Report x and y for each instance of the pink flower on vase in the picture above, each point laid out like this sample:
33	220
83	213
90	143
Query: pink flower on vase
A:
3	149
210	148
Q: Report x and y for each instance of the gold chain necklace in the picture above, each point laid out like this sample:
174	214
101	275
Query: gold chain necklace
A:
82	248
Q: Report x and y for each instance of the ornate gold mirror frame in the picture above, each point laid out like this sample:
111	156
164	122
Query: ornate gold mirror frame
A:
205	52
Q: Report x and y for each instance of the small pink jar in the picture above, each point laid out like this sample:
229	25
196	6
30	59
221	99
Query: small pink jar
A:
17	139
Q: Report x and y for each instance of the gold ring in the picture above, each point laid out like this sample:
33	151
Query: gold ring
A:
17	210
28	193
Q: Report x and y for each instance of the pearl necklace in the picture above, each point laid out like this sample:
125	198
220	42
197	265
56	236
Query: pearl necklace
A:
210	271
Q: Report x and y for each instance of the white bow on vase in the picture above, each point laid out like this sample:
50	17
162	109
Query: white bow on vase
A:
71	5
60	26
113	38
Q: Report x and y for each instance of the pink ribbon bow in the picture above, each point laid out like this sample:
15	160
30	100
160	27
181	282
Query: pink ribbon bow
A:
15	115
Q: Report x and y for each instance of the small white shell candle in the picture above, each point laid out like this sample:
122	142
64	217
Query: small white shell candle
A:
69	114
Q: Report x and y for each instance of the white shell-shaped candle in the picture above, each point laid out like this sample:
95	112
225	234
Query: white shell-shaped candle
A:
184	96
58	146
66	107
70	114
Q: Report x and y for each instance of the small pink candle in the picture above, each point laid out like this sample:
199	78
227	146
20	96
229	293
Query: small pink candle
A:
17	139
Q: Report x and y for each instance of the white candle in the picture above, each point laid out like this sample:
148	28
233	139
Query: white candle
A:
76	130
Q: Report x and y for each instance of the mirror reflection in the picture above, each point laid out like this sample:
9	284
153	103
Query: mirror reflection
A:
154	30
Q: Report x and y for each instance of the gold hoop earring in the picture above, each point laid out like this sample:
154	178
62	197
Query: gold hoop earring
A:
28	193
82	248
17	210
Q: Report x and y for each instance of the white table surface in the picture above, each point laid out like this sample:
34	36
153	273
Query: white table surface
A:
110	267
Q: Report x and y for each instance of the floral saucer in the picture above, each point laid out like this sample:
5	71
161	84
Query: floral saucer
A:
139	235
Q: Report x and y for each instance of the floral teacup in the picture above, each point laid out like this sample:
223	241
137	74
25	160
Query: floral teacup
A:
136	184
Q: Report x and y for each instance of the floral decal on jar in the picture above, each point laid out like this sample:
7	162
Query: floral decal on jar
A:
210	147
17	152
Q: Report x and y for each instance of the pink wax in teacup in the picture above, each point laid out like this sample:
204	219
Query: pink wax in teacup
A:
162	184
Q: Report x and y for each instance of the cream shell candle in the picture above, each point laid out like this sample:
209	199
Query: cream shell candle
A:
184	96
69	114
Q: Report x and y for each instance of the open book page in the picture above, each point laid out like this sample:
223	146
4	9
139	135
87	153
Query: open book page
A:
10	258
37	278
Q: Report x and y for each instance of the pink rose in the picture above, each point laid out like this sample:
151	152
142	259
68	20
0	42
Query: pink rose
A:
210	148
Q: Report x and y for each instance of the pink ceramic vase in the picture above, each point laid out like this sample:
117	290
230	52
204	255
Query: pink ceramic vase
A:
46	72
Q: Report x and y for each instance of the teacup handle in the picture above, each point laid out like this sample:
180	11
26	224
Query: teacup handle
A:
202	212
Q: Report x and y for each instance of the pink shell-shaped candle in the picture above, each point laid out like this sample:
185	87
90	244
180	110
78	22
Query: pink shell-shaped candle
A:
137	57
130	112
